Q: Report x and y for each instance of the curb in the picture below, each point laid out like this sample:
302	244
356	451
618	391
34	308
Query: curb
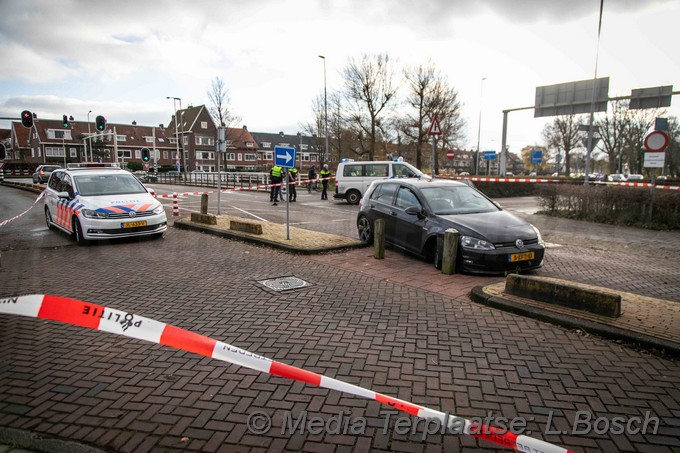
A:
230	234
24	186
18	440
666	348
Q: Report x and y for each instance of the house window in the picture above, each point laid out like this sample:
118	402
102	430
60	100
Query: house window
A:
186	140
249	144
305	157
59	134
201	140
231	156
204	124
251	157
269	155
165	154
73	152
173	141
266	145
229	142
121	138
125	154
240	156
304	146
54	151
313	157
148	139
138	154
205	155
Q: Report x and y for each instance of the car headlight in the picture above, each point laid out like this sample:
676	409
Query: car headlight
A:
469	242
538	235
158	209
92	214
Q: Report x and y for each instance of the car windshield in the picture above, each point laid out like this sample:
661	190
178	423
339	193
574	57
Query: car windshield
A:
111	184
457	200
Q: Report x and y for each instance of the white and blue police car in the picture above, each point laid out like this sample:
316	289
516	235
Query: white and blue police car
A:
101	201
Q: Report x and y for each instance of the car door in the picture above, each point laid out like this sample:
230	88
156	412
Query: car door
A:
381	206
408	228
51	197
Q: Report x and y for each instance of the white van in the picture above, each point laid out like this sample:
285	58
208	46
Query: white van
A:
353	178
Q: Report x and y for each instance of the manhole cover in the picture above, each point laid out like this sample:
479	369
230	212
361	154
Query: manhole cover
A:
284	283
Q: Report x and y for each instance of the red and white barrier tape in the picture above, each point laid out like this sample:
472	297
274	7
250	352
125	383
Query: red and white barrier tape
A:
539	180
98	317
5	222
238	189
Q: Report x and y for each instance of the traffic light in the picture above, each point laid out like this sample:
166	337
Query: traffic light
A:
65	121
100	123
146	155
27	119
2	152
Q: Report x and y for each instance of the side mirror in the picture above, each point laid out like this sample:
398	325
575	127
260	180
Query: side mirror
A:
414	210
63	195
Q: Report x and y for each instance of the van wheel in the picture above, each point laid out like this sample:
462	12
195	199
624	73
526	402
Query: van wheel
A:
353	197
78	232
365	230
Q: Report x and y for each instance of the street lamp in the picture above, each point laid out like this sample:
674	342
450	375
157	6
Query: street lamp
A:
325	103
89	138
479	128
178	119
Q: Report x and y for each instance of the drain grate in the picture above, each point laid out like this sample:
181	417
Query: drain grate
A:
284	283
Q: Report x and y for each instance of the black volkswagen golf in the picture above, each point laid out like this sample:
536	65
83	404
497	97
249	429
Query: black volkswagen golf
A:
418	212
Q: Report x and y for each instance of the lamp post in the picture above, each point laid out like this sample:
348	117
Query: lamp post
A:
479	127
89	138
325	103
179	120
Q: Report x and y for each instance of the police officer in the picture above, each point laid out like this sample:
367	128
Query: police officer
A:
292	180
324	173
276	177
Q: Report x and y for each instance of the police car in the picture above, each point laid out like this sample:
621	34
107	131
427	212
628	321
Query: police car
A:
101	201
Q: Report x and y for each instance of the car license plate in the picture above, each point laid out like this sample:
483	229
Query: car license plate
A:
521	257
134	224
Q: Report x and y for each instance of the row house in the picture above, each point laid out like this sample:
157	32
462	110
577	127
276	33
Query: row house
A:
308	150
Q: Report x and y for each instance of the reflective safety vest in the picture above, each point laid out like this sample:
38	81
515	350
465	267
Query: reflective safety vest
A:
276	171
293	173
324	173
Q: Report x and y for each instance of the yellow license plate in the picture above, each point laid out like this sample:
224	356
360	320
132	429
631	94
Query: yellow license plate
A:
521	257
134	224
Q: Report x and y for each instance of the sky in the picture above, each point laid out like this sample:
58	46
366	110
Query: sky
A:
123	59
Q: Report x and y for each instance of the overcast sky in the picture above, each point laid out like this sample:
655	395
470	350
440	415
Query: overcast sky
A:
122	59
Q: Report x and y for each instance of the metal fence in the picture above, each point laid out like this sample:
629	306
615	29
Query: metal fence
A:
229	180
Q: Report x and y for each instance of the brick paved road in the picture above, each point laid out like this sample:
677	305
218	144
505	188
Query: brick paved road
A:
449	354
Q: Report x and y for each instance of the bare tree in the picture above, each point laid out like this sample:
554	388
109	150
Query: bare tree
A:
612	130
369	90
219	108
563	135
639	122
673	150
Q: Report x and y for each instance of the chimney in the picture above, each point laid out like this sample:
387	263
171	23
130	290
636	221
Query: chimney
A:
134	123
245	128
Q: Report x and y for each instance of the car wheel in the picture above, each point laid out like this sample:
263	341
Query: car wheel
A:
353	197
78	232
48	218
437	253
365	230
157	235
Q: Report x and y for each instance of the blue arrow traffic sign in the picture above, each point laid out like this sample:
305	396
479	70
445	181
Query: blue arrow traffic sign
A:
489	155
284	156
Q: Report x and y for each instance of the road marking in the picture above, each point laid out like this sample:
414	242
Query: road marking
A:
250	214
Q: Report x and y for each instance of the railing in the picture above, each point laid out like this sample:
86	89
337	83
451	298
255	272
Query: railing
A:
229	180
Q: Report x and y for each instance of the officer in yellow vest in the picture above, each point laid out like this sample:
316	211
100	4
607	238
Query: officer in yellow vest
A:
276	177
324	173
292	181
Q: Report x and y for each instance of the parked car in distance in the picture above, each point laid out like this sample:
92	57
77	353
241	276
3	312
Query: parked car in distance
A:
616	177
173	174
418	212
635	177
43	172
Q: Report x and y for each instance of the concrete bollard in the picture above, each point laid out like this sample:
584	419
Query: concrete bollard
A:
451	238
379	240
204	203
